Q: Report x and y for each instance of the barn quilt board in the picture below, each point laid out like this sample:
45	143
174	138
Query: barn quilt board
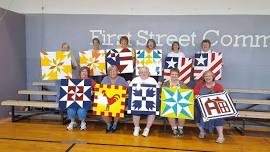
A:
151	59
177	103
109	100
55	65
75	93
217	105
122	58
94	60
144	99
208	61
183	64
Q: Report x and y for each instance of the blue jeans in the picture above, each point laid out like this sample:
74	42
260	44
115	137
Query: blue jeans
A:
80	112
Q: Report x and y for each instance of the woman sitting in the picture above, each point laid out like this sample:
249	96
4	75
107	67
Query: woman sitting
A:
113	79
143	78
174	82
208	86
80	112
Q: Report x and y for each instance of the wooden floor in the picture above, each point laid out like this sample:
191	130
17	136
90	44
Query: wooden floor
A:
39	136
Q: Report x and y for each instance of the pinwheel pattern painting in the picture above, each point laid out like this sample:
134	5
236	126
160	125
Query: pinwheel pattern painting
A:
55	65
177	103
94	60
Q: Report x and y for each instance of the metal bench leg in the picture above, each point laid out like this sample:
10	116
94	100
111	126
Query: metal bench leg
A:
243	126
164	124
12	113
241	130
42	97
28	98
63	118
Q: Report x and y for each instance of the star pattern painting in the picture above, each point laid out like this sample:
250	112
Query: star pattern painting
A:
208	61
109	100
151	59
144	99
122	58
177	103
75	93
94	60
55	65
217	105
183	64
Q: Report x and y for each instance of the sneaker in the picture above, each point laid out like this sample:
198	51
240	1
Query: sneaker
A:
181	132
113	130
136	131
71	126
220	140
201	135
83	126
175	132
146	132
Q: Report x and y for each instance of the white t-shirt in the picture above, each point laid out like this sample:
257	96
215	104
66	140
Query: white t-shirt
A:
173	54
209	51
140	81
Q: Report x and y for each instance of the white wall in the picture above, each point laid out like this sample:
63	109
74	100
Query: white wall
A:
140	7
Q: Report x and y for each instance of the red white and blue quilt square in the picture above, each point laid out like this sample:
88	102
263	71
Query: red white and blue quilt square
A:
75	93
122	58
183	64
208	61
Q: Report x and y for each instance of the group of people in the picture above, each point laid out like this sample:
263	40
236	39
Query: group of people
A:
207	85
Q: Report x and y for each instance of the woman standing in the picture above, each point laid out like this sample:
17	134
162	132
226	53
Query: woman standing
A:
151	45
96	48
124	44
205	46
66	48
175	50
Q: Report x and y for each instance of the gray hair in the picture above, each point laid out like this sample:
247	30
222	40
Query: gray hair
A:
109	69
143	68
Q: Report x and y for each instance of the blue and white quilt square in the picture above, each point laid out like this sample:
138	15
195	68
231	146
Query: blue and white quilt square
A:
144	99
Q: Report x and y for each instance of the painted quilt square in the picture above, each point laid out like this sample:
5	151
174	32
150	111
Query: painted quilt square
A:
94	60
75	93
122	58
177	103
218	105
208	61
151	59
183	64
55	65
109	100
143	99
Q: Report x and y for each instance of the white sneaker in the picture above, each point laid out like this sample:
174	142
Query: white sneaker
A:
83	126
146	132
71	126
220	140
136	131
202	135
